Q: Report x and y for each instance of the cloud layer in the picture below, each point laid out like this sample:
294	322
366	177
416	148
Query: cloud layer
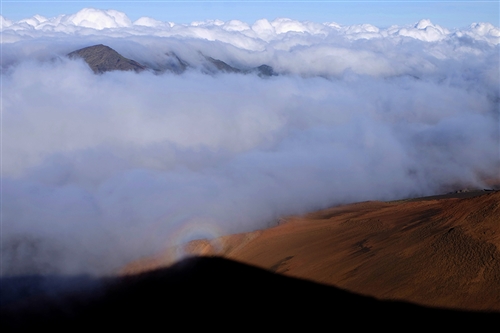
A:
102	169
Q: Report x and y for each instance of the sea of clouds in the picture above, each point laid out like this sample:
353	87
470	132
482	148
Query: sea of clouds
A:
98	170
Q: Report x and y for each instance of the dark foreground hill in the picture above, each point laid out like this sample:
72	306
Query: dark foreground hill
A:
219	293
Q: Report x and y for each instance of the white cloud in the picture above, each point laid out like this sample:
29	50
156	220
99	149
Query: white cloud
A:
90	18
99	19
4	22
484	31
423	30
150	22
236	25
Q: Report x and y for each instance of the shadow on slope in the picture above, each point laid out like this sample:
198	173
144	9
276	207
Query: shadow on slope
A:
206	291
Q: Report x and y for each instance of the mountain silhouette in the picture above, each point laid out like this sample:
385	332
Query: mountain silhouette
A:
203	292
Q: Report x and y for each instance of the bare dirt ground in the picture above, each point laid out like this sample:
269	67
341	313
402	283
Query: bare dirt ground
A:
441	251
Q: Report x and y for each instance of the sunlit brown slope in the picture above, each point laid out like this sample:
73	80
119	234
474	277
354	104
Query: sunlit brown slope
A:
438	251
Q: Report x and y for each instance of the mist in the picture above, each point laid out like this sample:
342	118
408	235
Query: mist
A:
99	170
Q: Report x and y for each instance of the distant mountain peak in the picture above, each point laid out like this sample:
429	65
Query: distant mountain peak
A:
220	65
102	58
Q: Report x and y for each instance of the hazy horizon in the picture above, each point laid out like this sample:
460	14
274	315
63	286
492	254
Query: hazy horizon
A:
449	14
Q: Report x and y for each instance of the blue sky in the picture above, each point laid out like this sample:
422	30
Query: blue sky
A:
450	14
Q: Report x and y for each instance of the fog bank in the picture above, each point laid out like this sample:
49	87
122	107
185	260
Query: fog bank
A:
98	170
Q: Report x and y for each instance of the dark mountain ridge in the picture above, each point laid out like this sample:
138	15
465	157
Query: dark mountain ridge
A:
102	58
